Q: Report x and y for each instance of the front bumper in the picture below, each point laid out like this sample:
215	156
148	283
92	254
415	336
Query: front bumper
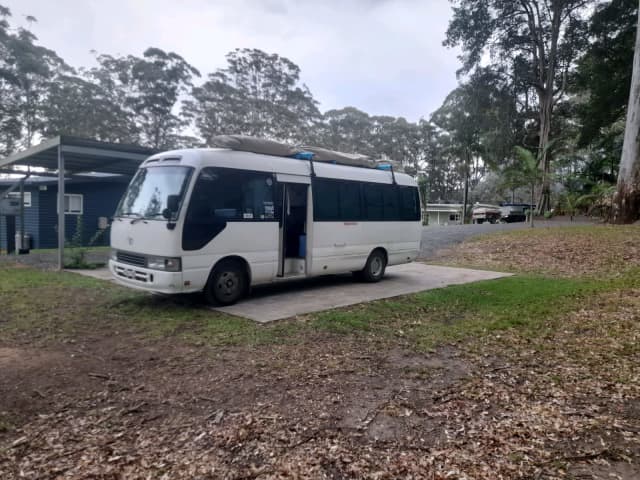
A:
145	278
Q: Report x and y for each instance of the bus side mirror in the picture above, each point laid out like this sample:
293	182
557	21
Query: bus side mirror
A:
173	203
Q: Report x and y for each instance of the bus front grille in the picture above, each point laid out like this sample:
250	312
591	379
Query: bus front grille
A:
132	258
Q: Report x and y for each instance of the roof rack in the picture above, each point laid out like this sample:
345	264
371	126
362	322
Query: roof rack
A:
247	143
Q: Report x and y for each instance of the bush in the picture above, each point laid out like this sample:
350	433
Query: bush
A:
77	252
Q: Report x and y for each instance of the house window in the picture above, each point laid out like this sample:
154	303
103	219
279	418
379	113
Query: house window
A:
454	217
73	204
16	196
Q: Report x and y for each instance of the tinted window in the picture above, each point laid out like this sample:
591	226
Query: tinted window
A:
223	195
373	201
345	200
350	208
232	195
336	200
391	202
409	203
326	204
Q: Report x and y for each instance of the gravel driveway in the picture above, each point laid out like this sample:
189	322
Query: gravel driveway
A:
436	238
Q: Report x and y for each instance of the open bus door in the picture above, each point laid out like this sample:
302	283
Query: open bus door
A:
292	198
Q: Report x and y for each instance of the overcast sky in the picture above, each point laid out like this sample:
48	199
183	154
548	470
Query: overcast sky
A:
382	56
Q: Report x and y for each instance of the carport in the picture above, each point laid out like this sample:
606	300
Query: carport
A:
65	156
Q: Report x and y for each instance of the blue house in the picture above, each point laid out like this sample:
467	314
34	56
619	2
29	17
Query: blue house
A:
87	176
90	201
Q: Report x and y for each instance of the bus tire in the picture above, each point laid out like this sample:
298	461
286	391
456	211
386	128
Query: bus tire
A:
227	283
373	270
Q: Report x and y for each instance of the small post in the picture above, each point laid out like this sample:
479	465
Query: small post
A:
60	209
21	250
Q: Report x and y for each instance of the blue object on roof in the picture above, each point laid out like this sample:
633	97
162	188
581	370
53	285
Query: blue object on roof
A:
384	166
304	156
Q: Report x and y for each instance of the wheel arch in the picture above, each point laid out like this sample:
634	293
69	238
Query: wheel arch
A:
235	259
384	252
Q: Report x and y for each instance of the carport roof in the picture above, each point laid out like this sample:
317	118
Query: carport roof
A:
80	155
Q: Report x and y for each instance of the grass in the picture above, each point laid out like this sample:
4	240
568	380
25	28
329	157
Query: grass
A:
55	306
451	314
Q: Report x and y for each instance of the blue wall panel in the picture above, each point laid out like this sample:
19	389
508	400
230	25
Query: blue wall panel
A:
31	220
99	200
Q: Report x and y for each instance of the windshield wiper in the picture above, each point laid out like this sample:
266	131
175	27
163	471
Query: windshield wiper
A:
137	216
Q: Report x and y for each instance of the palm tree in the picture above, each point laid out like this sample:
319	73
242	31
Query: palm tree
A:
526	172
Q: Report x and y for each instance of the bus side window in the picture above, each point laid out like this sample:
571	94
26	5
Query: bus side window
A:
232	195
391	202
409	203
374	202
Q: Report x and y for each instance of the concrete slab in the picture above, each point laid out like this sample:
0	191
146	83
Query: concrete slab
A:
99	273
284	300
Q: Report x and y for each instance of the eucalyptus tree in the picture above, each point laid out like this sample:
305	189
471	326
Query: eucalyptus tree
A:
26	72
601	91
348	129
147	90
257	94
628	191
538	39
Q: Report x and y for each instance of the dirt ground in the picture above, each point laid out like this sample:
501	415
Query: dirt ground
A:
112	404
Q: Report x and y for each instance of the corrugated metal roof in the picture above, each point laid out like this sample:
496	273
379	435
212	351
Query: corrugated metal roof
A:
80	155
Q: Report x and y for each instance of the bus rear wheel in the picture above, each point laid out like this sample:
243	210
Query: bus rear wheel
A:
373	270
227	284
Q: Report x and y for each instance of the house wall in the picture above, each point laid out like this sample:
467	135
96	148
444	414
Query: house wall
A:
31	220
436	217
99	200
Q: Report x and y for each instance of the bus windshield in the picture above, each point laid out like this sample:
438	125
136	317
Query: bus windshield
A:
146	196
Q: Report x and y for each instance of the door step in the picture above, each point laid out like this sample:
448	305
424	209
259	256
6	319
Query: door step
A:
294	266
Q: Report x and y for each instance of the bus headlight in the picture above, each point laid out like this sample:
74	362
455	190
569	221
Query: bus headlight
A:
113	254
167	264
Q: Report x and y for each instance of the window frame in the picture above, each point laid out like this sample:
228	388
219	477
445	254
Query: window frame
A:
68	212
15	195
400	215
241	171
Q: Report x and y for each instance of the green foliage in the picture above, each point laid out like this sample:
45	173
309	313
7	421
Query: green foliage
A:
26	72
257	94
76	250
604	73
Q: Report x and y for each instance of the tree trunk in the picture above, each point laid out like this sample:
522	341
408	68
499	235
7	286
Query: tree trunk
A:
546	105
531	212
546	94
465	197
627	198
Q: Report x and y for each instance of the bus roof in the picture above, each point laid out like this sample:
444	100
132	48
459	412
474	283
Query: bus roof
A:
227	158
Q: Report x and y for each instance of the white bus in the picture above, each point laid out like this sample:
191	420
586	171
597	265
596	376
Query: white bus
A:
220	221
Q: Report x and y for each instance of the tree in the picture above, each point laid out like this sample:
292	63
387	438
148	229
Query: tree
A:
525	172
478	117
257	94
148	90
603	75
348	129
628	191
81	107
26	72
537	40
458	116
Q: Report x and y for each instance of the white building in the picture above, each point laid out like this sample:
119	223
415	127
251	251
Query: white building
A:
443	214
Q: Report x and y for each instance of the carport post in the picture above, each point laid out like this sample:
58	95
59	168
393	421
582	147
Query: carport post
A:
60	209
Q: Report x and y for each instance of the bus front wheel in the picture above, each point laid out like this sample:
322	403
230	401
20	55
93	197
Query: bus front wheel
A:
227	283
373	270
